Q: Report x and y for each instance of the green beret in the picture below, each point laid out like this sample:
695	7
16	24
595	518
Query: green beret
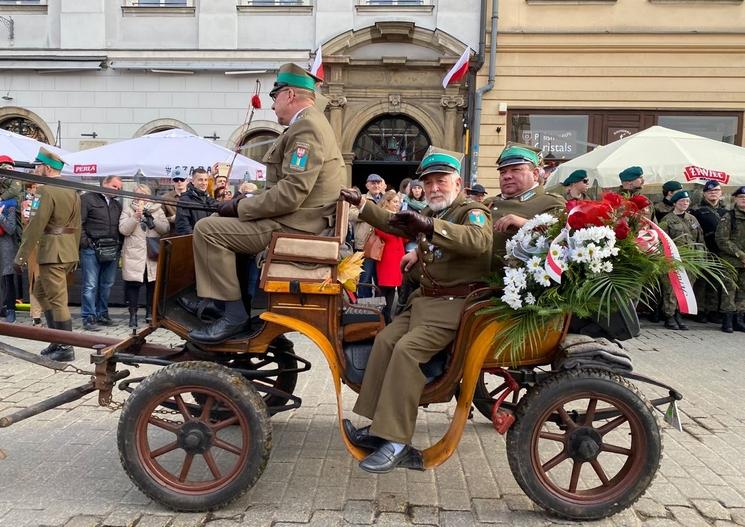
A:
574	177
294	76
517	155
680	195
631	173
439	160
671	186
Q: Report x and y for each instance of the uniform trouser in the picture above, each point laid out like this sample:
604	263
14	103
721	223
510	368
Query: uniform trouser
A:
393	382
669	301
707	296
216	242
733	296
33	275
50	289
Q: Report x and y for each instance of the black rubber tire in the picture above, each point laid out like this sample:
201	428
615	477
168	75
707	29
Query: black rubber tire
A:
633	478
238	392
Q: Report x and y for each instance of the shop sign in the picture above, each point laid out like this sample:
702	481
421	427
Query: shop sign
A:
561	144
85	169
693	172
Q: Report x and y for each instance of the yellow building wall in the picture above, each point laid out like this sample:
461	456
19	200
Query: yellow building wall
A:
629	54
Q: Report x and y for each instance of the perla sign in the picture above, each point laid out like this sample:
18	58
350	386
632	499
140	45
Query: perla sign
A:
561	144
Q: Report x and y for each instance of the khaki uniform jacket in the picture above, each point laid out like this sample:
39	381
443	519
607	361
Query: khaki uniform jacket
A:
457	254
53	207
527	205
684	230
731	238
305	172
662	209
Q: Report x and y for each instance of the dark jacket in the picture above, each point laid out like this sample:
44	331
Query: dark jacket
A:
708	217
186	218
99	219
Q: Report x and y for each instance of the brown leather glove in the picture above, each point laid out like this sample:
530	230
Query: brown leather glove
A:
229	209
412	223
351	196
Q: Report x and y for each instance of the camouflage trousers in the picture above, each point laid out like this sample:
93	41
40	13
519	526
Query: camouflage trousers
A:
707	296
669	302
733	296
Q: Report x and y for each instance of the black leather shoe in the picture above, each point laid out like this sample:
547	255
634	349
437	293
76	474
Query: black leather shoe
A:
384	459
219	331
199	307
105	320
63	354
49	350
89	324
670	323
679	319
360	437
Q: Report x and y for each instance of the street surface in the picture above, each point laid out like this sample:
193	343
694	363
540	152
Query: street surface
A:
62	467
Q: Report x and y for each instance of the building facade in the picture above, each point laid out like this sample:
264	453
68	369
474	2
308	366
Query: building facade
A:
574	74
82	73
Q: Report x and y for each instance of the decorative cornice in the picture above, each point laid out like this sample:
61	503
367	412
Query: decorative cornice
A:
337	101
453	102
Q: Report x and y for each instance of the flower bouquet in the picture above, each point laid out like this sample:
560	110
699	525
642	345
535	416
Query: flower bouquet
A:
595	259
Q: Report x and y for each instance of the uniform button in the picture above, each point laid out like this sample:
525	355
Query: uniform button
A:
444	232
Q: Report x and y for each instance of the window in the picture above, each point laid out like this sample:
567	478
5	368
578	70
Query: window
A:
559	136
390	138
23	2
275	2
714	127
394	2
160	3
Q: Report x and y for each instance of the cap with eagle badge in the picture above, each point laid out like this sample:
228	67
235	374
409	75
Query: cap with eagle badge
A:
45	157
518	154
439	160
293	76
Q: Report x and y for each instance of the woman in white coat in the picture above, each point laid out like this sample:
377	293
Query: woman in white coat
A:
139	221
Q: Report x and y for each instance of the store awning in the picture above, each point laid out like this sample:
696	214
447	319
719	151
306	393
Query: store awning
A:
41	64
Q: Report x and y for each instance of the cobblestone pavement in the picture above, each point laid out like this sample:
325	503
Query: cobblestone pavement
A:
62	468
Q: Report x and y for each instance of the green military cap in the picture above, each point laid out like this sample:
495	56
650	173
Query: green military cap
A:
439	160
681	194
293	76
671	186
517	154
574	177
739	191
45	157
631	173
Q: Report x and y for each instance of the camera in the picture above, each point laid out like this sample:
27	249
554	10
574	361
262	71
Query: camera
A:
147	219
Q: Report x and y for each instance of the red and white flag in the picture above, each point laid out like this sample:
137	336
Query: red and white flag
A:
459	70
317	67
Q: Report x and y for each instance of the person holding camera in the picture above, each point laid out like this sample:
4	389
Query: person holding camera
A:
142	224
100	242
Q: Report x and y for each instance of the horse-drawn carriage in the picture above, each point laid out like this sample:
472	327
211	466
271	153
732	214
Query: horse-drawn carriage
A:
196	434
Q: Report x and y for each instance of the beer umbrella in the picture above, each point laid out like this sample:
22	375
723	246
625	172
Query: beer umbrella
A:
664	155
22	148
160	155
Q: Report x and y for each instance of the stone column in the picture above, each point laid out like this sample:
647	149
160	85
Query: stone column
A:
451	104
336	109
348	159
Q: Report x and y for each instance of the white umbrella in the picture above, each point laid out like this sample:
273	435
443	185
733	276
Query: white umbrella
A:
160	155
22	148
664	155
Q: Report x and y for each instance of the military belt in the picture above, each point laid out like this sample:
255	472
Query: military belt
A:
458	290
56	231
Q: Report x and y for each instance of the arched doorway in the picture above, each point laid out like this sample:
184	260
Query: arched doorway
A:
24	122
389	145
256	143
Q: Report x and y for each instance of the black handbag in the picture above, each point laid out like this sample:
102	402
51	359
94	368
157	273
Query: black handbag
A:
106	249
153	247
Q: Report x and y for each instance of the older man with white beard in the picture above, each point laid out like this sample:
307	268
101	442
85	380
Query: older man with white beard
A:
454	239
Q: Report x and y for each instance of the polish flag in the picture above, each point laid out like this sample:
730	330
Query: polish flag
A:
459	70
317	67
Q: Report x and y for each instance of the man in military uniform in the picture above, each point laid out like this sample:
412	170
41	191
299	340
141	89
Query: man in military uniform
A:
684	229
10	188
521	199
632	184
708	213
577	184
54	227
453	243
730	239
476	192
664	207
305	171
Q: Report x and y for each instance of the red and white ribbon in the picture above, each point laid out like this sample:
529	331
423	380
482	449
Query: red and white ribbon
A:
678	278
553	266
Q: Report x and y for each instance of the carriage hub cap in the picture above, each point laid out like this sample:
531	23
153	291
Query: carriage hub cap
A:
584	444
195	437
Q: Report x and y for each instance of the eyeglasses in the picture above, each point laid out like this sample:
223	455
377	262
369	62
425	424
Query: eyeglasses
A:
179	179
276	94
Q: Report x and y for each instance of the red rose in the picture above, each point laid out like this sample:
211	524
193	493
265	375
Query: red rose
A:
587	213
622	229
571	204
615	200
640	201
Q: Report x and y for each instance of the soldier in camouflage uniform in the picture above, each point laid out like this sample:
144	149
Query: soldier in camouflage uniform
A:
664	207
632	183
576	185
454	241
685	230
730	238
708	213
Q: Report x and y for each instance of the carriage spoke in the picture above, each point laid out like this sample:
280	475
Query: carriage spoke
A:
612	425
590	413
186	467
182	407
163	450
497	390
551	436
211	464
225	423
219	443
551	463
599	471
574	479
568	421
207	408
162	423
613	449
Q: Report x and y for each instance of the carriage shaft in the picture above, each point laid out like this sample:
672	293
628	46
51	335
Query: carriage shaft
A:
67	396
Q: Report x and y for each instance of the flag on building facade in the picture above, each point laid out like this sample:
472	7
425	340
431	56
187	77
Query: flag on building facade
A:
459	70
317	67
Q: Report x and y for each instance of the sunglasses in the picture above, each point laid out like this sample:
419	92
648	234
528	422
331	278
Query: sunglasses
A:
178	179
276	94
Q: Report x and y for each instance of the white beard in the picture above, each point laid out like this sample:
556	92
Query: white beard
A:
442	205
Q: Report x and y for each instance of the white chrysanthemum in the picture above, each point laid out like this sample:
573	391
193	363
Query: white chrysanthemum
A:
529	299
510	246
607	267
596	266
512	299
580	255
535	263
542	278
515	278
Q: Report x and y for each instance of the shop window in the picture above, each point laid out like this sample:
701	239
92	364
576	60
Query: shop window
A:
721	128
560	137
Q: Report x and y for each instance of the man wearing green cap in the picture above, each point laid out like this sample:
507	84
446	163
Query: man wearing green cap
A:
305	171
685	231
577	184
54	225
632	183
664	207
522	197
453	236
730	238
